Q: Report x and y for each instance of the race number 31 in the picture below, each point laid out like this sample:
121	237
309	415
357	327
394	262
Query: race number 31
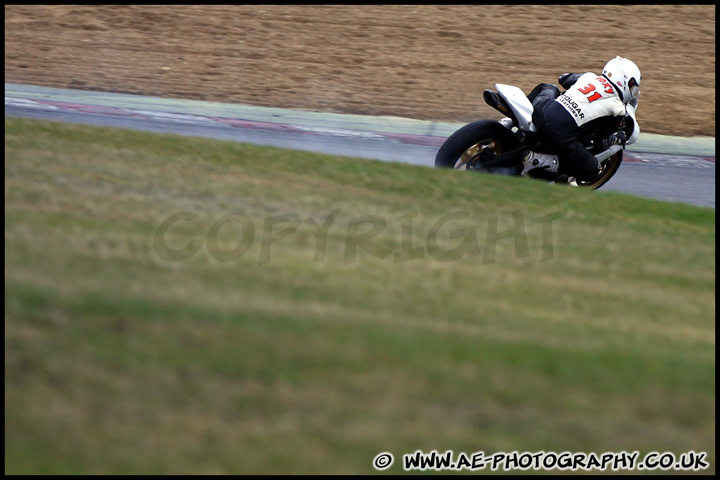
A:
593	95
590	88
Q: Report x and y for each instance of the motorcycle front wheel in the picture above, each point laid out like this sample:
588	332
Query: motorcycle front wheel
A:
471	140
609	168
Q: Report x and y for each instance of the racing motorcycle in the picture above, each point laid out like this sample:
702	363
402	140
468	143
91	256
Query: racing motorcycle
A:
491	146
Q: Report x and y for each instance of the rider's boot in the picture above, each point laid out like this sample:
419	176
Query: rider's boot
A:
532	161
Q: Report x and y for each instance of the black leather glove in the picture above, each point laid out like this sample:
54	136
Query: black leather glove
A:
567	80
617	138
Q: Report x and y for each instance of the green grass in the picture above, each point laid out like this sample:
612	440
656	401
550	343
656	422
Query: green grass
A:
596	335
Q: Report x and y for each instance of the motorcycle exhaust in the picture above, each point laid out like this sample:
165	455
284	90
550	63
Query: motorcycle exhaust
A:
499	104
495	101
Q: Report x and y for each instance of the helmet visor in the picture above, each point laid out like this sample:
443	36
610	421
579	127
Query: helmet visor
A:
634	88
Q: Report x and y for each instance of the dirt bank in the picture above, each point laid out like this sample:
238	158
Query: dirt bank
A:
426	62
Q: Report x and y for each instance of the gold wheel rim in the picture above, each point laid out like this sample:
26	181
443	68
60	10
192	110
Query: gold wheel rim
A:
465	157
602	177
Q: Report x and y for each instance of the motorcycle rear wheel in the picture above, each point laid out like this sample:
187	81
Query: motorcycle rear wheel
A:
471	139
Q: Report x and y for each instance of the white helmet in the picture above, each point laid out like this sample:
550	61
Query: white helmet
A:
625	76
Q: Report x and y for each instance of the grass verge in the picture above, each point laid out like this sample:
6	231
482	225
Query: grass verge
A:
183	305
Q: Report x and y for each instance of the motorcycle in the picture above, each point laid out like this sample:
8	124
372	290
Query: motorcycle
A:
491	146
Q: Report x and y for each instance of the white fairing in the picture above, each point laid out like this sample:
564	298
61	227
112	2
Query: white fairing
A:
630	110
519	104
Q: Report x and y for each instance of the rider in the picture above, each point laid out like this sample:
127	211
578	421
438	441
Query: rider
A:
589	102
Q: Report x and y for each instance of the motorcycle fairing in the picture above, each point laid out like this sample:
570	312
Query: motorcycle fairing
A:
519	104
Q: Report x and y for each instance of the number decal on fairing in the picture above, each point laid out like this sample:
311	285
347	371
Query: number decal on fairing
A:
586	91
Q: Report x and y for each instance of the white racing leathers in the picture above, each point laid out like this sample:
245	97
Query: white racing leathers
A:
592	96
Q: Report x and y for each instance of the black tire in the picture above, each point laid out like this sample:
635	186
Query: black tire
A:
610	167
470	139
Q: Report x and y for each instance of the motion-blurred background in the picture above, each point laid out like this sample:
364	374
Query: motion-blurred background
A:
573	320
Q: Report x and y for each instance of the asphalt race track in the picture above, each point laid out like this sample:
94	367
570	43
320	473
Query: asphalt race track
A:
666	168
